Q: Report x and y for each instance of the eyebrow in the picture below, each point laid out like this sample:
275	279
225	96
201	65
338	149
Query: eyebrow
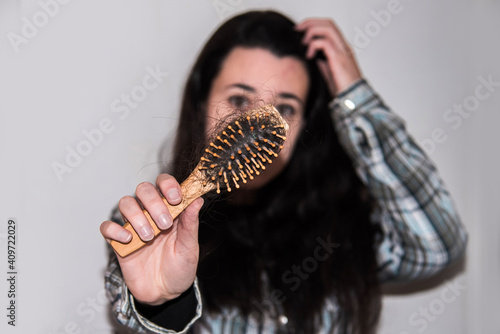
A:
250	89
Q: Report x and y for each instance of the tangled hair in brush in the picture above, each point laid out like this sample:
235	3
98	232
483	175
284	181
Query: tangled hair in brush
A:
318	196
243	147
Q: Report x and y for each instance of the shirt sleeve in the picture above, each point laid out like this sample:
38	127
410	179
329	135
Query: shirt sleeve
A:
422	232
125	309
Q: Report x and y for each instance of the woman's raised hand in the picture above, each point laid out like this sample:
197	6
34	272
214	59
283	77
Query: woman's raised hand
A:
166	266
340	69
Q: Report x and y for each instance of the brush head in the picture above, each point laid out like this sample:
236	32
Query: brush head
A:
243	148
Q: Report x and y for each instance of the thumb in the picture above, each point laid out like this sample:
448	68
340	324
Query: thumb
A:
187	229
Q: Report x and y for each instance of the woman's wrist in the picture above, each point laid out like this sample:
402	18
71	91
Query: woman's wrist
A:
342	94
174	314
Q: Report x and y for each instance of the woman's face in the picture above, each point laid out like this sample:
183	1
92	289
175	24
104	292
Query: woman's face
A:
253	77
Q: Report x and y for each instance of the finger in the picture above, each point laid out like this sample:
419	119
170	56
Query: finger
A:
324	32
113	231
170	188
332	53
154	205
132	211
310	23
307	23
323	28
342	65
323	45
187	229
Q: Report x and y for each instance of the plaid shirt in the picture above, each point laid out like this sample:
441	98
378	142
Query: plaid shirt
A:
422	232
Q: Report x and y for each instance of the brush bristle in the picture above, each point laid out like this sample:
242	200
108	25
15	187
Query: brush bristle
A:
241	151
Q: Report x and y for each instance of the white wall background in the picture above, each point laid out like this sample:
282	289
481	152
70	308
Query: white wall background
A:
68	72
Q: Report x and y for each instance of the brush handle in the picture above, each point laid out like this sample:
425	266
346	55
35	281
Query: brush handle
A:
191	189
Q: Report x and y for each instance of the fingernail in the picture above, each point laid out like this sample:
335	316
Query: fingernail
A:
173	195
124	236
165	221
147	233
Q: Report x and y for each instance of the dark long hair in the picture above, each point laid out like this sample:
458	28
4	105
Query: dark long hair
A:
316	201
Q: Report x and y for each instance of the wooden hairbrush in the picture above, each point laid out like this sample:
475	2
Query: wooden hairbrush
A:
239	151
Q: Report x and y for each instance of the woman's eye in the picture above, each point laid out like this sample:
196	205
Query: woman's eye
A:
286	110
238	101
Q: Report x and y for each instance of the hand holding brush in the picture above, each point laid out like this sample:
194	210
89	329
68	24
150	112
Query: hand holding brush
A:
167	258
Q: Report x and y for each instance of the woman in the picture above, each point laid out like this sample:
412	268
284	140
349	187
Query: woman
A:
351	202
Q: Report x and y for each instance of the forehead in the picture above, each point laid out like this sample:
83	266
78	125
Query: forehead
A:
264	71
